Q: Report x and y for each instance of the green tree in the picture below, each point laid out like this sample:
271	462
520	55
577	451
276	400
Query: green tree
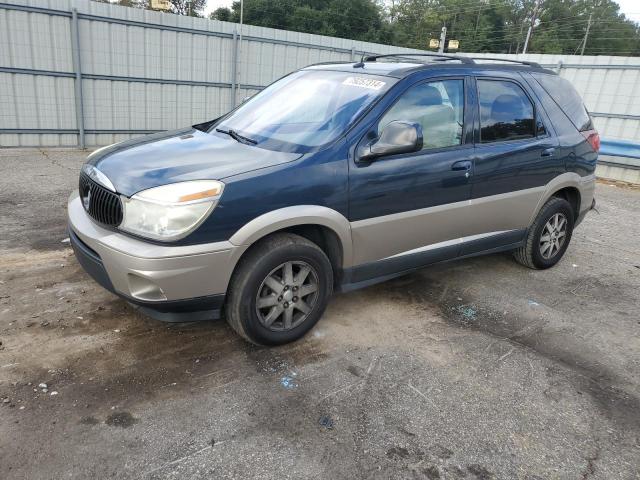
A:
563	25
498	26
355	19
223	14
193	8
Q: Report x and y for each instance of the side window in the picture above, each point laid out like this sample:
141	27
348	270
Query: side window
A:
506	113
567	98
437	106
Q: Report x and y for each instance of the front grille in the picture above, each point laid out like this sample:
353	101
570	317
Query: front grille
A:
101	204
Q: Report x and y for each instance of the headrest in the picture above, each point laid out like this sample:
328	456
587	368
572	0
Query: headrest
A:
507	107
423	95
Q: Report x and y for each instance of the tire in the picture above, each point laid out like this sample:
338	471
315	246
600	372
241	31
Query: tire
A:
255	297
536	253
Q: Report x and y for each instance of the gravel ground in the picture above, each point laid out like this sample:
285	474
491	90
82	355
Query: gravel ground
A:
475	369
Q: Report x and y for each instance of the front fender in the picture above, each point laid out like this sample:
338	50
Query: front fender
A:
298	215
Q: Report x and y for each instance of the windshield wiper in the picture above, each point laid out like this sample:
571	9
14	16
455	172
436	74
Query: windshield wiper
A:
236	136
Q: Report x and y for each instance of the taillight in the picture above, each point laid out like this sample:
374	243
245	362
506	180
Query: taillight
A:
593	137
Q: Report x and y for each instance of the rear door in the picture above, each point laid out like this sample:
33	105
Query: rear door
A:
402	205
515	156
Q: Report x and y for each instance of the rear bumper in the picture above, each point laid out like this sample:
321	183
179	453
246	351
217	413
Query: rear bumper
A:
171	283
587	188
583	214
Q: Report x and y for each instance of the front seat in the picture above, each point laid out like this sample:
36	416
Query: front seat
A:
438	121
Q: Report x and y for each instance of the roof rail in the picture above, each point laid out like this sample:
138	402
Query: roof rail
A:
439	57
329	63
493	59
442	57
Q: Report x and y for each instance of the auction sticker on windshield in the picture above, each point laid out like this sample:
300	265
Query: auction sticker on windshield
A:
364	82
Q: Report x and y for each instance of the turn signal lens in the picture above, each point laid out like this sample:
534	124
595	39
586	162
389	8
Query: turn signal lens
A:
200	195
182	192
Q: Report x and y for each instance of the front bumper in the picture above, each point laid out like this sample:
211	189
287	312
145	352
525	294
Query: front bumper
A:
171	283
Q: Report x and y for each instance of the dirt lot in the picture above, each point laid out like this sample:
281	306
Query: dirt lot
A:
477	369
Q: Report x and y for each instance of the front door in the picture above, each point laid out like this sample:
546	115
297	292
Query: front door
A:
401	206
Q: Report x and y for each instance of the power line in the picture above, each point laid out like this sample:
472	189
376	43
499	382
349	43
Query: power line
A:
550	28
502	37
333	13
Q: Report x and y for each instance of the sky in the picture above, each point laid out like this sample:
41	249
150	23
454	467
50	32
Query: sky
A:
631	8
213	4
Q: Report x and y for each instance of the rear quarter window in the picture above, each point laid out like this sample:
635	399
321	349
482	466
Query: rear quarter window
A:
566	97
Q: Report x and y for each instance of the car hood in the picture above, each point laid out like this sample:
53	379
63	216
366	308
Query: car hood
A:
177	156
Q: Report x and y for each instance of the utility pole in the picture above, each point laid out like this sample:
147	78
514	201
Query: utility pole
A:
475	32
519	37
482	3
235	100
443	37
534	16
586	34
453	23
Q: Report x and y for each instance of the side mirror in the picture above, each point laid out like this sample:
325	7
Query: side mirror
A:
397	137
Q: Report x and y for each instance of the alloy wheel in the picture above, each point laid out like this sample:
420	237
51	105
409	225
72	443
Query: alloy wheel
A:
554	234
287	296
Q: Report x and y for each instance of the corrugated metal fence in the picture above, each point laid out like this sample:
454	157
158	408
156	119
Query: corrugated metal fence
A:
74	72
72	69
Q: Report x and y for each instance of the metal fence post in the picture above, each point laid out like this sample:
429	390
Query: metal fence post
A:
353	53
75	47
234	69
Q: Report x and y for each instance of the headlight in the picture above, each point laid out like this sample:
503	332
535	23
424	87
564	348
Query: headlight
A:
170	212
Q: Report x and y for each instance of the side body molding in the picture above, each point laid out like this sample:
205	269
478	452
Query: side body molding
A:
298	215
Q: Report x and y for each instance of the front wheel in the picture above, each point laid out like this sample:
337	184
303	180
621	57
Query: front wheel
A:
279	290
548	236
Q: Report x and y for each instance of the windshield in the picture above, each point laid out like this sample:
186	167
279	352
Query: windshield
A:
304	110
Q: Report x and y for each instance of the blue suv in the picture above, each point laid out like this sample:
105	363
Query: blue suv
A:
333	178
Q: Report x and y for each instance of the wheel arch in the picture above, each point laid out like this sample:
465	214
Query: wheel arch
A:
326	227
571	195
569	186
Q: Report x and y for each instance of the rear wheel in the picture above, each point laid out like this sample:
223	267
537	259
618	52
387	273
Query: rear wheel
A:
279	290
548	236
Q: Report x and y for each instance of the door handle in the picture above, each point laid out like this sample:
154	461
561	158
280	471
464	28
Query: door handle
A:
461	165
548	152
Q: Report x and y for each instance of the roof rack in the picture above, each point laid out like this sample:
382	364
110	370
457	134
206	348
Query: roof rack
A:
492	59
440	57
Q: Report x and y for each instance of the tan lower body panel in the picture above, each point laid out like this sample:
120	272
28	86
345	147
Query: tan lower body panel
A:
382	237
151	272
